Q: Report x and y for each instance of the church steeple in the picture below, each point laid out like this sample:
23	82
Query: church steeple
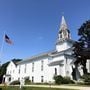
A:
64	33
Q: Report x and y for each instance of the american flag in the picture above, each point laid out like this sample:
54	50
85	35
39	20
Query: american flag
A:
7	39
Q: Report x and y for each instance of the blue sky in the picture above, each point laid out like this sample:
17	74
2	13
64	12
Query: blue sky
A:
33	24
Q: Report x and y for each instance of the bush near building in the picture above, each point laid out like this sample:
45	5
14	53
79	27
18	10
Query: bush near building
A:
15	82
86	79
62	80
27	81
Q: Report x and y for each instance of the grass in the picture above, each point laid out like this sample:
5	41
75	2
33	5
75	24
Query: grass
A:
31	88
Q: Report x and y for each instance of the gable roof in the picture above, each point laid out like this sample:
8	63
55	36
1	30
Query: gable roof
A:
48	54
15	61
36	57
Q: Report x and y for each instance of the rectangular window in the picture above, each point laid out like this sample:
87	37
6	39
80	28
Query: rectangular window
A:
55	71
25	68
33	67
19	70
10	72
42	79
66	60
9	79
32	79
13	71
18	79
42	63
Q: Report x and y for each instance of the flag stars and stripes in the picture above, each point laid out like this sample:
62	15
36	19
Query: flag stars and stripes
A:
7	39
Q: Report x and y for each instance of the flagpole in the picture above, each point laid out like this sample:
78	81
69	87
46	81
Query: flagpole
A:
2	45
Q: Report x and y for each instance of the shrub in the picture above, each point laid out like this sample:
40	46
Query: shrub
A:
58	79
67	80
86	79
62	80
15	82
27	81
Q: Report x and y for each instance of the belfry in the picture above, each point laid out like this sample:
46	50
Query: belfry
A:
64	33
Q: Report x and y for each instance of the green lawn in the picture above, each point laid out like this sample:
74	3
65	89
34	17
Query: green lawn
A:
31	88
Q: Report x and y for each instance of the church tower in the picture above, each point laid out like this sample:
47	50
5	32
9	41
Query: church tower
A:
64	41
64	33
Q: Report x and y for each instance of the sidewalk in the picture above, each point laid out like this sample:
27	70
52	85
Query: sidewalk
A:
61	86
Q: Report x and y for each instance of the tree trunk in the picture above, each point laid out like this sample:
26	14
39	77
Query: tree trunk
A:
84	66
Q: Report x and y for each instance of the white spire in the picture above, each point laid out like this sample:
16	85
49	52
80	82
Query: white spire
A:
63	25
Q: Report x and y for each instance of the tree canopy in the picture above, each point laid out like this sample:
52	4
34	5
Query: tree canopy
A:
82	46
84	33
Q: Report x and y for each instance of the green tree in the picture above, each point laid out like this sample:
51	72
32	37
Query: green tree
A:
3	70
82	46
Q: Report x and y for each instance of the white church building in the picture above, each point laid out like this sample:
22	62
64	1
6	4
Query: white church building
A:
43	67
